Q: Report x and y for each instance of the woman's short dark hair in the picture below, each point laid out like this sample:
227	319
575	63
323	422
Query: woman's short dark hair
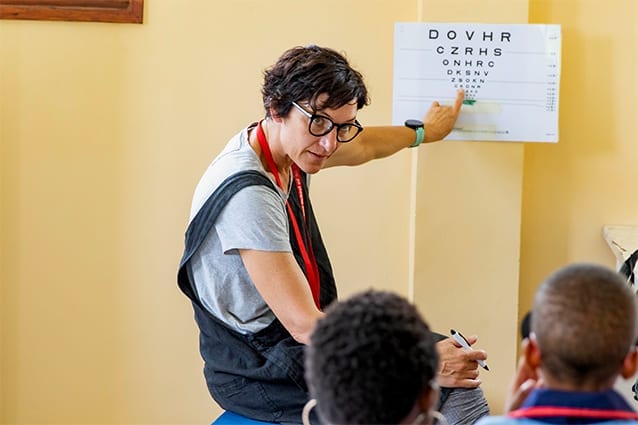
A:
369	359
305	73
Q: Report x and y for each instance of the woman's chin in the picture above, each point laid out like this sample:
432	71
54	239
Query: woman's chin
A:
311	167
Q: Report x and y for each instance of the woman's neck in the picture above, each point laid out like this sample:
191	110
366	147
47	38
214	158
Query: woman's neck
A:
282	161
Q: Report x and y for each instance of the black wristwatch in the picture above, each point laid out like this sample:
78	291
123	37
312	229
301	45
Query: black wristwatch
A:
418	127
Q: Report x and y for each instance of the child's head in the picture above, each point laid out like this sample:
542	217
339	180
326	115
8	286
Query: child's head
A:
584	326
372	360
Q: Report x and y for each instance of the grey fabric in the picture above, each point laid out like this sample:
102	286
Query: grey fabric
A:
461	405
254	218
464	406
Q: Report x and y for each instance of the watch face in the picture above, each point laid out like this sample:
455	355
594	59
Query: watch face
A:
413	124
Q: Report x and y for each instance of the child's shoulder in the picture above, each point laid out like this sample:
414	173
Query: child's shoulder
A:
507	420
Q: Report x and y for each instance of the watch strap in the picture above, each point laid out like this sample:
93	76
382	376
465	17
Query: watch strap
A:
420	136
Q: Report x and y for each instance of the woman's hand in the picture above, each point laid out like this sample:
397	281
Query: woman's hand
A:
439	120
459	368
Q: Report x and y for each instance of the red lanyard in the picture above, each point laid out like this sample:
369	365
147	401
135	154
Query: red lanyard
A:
549	411
312	270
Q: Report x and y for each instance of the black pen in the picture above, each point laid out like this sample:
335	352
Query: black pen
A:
458	337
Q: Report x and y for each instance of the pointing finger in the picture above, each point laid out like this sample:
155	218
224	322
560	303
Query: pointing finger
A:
460	95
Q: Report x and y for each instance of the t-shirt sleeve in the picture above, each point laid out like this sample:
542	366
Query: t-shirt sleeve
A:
254	218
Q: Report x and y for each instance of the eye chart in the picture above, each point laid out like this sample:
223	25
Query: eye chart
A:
510	74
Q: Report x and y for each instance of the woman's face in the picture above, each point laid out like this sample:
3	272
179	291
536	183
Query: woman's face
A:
310	152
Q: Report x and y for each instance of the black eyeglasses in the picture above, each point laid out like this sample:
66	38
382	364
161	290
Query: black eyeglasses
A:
320	125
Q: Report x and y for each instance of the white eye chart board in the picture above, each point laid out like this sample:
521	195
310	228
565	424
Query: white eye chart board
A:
510	74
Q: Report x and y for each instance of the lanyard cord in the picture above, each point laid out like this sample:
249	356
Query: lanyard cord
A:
310	263
550	411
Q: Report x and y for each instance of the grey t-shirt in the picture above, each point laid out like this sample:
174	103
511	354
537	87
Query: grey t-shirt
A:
254	218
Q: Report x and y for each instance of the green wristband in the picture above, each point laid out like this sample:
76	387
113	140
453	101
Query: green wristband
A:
418	128
420	136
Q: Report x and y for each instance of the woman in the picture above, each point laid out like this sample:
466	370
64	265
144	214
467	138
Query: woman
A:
258	274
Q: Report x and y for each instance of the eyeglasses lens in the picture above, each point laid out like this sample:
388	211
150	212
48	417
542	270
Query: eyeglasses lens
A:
320	126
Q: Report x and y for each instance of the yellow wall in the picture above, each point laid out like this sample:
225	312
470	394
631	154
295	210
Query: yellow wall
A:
105	131
106	128
467	239
574	188
571	190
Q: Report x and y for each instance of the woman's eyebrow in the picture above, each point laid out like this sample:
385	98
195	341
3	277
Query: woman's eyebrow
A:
322	112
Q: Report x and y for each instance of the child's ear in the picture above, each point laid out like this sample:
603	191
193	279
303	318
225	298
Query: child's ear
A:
429	398
532	353
630	364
